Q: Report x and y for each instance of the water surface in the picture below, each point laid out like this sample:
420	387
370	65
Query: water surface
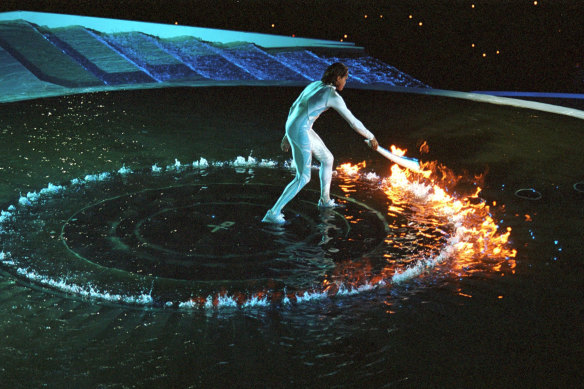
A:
453	326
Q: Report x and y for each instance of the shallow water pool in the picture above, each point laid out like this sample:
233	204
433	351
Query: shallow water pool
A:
483	323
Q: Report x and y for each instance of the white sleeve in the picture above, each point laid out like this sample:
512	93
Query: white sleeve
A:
336	101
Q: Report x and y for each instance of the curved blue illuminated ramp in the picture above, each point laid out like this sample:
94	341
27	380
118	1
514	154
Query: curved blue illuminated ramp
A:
51	54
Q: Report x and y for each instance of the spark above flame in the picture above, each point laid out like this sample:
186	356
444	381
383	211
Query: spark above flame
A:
397	151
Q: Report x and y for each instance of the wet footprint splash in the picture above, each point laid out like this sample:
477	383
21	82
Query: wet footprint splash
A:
191	237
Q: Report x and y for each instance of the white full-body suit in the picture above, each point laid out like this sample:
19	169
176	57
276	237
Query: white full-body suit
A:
316	98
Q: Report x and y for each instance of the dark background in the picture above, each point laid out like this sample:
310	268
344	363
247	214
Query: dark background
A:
521	45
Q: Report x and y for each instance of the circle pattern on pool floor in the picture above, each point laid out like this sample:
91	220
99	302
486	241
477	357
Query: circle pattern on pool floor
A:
214	232
158	238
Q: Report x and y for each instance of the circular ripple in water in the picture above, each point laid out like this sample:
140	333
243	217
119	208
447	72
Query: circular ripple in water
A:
213	232
190	237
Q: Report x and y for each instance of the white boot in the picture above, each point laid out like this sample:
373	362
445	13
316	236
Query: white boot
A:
273	218
327	204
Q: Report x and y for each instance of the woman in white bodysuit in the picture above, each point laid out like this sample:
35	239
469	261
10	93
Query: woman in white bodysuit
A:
316	98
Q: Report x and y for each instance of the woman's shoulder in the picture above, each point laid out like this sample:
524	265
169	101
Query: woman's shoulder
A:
327	89
327	86
316	85
318	88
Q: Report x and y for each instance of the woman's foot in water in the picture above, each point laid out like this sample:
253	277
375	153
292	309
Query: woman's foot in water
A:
273	218
330	203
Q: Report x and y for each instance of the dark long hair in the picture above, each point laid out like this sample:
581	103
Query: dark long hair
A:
335	70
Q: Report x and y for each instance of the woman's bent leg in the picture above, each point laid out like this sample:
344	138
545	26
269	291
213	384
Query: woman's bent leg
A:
325	157
303	159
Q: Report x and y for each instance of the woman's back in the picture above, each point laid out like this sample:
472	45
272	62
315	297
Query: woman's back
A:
310	104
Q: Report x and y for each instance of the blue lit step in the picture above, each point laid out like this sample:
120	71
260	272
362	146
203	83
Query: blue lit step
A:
205	59
96	56
305	62
147	53
16	81
43	59
260	64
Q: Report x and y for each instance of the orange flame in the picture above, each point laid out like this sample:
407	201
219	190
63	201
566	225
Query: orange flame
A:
397	151
473	238
350	169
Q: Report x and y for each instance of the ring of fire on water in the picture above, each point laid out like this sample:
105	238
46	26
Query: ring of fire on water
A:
151	238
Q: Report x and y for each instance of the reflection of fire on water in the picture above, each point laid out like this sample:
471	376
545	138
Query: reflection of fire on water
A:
470	238
473	238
